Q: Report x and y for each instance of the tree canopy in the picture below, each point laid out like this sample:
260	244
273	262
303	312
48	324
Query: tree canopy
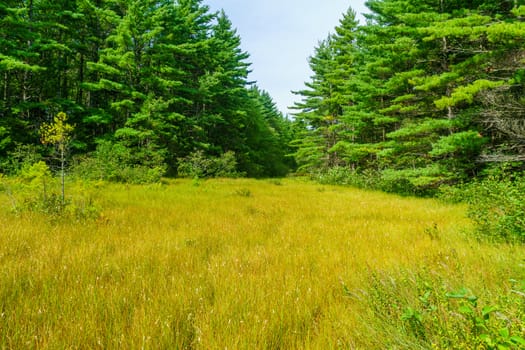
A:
424	93
157	80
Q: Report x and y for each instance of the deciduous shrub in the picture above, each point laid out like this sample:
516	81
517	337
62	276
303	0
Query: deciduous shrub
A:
114	162
22	156
496	205
200	165
35	190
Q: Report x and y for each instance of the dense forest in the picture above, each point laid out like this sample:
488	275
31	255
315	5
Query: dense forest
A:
425	93
145	85
428	92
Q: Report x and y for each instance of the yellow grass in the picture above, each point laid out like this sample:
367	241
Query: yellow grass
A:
237	264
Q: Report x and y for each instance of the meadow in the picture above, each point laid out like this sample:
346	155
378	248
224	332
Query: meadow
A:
256	264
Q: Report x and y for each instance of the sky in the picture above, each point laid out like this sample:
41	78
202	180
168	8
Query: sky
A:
280	35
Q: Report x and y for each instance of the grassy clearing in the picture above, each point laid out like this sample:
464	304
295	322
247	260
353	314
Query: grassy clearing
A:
244	264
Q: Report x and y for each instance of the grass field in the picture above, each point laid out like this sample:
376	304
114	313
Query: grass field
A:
246	264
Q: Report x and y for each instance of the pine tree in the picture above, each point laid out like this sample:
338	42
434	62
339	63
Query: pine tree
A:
223	89
269	137
18	64
156	80
418	90
327	98
141	77
318	112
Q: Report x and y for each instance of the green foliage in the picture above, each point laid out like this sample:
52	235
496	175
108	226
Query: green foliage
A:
199	165
519	11
57	133
419	95
466	94
35	190
403	97
116	162
461	145
36	175
4	138
269	139
420	312
310	153
323	107
9	63
495	205
336	176
421	128
416	181
485	331
162	79
21	157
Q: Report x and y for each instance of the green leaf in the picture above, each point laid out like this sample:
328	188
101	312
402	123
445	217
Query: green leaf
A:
466	310
487	310
517	340
504	332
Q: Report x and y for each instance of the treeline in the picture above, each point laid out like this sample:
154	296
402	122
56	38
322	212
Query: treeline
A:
428	92
146	85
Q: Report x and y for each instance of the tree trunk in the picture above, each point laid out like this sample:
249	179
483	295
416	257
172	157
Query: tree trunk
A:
6	79
80	79
62	173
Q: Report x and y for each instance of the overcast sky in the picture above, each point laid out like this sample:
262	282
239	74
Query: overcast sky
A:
280	35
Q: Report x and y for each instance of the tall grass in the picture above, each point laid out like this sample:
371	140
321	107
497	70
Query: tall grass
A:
245	264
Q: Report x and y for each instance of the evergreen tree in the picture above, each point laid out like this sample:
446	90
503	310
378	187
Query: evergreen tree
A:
431	140
327	97
18	65
425	91
156	79
223	92
316	112
270	136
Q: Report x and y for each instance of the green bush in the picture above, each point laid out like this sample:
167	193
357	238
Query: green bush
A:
422	182
496	205
139	174
336	176
347	177
115	162
419	182
35	190
21	157
200	165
